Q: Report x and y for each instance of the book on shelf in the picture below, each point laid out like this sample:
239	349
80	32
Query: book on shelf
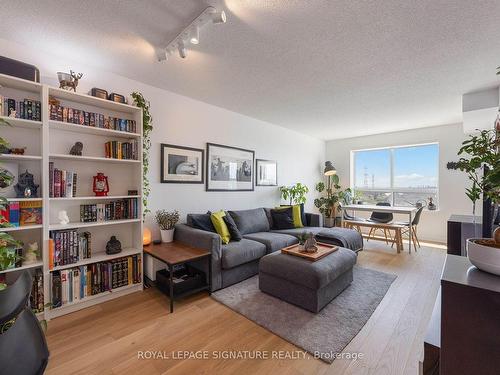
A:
68	247
10	214
115	210
73	284
27	109
96	120
121	150
62	183
30	213
36	297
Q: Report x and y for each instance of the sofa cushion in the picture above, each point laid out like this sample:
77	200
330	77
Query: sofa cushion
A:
283	218
233	229
200	221
251	221
220	226
244	251
273	241
303	217
298	231
312	275
298	209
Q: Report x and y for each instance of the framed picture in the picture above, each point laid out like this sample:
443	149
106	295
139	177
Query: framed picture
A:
229	168
266	172
182	165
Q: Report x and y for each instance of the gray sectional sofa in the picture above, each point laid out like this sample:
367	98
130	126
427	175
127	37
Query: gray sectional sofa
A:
239	260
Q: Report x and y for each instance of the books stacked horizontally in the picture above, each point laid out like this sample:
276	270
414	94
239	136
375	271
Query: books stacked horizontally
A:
68	246
36	297
27	109
121	150
115	210
22	213
77	283
62	184
97	120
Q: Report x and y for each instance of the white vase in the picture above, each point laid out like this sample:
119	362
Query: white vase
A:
167	235
486	258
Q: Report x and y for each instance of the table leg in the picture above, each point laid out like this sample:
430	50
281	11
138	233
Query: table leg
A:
399	241
209	274
171	296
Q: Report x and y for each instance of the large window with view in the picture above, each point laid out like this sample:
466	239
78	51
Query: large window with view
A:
401	176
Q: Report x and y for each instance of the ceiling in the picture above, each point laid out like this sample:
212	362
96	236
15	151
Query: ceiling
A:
330	69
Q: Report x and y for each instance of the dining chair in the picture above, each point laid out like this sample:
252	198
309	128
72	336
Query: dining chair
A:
414	226
15	297
381	218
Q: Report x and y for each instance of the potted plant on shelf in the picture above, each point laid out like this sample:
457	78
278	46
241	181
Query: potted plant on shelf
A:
295	194
480	159
328	204
167	220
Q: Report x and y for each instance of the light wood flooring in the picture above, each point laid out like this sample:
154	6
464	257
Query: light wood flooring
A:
105	339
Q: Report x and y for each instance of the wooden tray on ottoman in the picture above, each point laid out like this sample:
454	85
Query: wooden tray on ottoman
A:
323	250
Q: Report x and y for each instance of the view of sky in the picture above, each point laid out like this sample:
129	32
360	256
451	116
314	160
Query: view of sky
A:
414	167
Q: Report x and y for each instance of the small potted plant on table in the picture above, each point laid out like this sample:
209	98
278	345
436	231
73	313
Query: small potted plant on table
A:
166	221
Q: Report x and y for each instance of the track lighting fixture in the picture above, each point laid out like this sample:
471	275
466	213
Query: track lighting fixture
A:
191	34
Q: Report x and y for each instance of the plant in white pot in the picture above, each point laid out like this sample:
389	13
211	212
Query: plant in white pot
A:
481	153
166	221
329	203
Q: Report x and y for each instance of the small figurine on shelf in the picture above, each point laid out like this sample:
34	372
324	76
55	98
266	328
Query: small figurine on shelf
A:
69	81
76	149
113	246
63	217
431	206
26	187
31	254
100	186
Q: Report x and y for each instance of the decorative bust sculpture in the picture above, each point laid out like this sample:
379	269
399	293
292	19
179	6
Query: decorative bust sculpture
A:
113	246
310	244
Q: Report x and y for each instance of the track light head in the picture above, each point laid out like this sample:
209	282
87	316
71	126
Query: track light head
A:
194	35
182	49
219	17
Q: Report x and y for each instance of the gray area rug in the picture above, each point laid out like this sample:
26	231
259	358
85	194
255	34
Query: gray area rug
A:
325	333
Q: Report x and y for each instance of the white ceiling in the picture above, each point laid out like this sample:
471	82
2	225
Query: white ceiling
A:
330	69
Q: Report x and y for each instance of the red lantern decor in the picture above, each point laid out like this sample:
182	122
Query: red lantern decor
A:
100	186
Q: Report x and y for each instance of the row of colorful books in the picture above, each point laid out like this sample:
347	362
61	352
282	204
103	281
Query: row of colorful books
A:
97	120
122	150
68	246
27	109
62	183
76	283
22	213
116	210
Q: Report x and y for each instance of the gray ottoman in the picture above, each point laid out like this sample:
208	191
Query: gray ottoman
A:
310	285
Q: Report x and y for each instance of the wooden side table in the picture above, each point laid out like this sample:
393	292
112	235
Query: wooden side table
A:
176	253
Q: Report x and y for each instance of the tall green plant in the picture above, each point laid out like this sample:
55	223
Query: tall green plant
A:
329	203
295	194
147	127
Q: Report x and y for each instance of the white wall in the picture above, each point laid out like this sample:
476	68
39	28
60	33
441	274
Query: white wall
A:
187	122
452	184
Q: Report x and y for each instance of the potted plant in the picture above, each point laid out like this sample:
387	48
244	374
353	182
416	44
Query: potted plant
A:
295	194
329	203
166	221
481	153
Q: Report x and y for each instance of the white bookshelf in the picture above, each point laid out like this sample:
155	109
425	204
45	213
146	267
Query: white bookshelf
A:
50	141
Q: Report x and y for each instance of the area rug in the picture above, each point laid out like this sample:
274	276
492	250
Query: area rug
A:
324	334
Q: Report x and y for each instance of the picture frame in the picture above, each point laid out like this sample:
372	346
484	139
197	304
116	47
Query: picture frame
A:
229	168
266	172
182	165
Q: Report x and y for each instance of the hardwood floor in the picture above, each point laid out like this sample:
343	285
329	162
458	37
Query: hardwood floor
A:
106	339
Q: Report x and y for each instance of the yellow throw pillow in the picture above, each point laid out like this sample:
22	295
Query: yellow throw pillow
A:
297	215
220	226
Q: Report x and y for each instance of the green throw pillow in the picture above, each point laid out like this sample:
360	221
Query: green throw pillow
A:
297	215
220	226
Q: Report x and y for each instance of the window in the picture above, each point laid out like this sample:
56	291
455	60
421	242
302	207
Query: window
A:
401	176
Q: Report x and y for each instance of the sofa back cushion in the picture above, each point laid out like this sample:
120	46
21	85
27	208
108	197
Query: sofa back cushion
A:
283	218
251	221
200	221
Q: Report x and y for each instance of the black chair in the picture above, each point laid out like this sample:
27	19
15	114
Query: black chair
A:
23	349
381	218
414	225
16	297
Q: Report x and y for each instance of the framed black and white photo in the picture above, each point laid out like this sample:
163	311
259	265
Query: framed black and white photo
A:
229	168
181	165
266	172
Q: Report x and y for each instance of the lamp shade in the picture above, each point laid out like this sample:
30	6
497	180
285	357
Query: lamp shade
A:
329	169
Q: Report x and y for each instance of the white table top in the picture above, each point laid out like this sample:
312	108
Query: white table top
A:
373	207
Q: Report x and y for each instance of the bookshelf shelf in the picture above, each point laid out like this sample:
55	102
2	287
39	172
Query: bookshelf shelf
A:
65	126
22	123
27	267
91	198
26	227
93	159
14	157
20	84
92	224
24	199
99	258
